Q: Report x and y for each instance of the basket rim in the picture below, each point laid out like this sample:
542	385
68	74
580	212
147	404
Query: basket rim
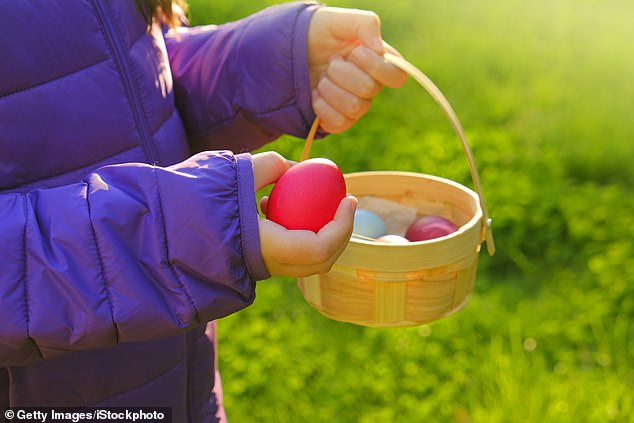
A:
477	217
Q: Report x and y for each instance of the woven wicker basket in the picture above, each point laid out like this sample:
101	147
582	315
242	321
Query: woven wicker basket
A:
398	285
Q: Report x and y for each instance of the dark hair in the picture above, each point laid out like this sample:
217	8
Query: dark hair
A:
162	10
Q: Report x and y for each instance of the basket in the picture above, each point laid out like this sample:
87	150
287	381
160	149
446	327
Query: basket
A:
399	285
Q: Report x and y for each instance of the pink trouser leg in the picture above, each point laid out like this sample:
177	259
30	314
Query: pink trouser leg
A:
221	414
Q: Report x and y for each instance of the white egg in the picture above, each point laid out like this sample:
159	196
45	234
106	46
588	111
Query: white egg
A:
393	239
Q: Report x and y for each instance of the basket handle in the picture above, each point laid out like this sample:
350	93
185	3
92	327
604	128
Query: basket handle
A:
437	95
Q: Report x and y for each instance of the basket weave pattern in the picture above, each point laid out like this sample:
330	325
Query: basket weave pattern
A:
374	284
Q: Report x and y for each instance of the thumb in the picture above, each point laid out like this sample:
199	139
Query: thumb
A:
355	24
268	167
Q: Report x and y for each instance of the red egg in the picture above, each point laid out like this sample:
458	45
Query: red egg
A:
429	227
307	195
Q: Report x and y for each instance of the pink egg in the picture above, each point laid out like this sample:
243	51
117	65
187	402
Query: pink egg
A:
430	227
307	195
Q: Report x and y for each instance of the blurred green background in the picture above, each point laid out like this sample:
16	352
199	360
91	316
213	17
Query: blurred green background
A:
545	91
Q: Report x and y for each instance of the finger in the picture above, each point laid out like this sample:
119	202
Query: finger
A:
268	167
343	101
264	204
348	75
354	24
337	232
376	67
331	120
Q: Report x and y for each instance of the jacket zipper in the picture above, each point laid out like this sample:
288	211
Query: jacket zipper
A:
119	55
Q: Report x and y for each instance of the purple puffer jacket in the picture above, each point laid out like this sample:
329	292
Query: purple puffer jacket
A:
111	268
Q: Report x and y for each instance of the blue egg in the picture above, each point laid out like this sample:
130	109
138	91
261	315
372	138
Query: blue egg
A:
368	224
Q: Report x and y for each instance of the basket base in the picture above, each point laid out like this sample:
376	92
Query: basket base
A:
388	324
388	310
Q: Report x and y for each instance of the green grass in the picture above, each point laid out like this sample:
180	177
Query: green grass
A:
545	92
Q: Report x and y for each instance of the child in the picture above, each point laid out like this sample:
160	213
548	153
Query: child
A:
128	218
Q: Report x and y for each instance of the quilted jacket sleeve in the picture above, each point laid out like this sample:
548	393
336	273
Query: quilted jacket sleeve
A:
244	83
131	253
